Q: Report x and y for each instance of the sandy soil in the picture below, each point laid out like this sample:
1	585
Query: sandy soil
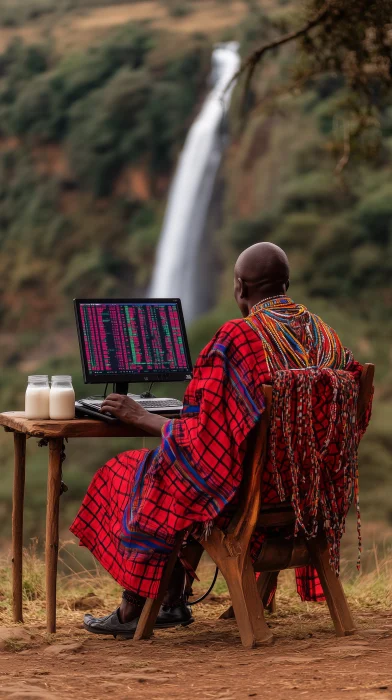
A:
78	29
206	661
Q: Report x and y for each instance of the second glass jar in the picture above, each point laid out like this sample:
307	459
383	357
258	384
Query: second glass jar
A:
61	398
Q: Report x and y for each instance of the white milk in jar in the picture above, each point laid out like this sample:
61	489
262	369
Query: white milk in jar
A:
37	397
62	398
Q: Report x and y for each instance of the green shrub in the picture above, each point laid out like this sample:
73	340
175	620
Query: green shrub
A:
310	191
246	232
39	111
374	215
180	10
298	229
19	63
108	128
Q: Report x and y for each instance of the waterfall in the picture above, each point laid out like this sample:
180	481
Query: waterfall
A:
178	262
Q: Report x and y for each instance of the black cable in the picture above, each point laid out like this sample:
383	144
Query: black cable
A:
148	394
195	602
106	388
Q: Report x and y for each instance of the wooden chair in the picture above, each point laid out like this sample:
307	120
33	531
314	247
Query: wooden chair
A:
230	550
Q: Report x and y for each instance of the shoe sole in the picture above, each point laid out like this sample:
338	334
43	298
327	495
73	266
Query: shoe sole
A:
121	633
167	625
130	634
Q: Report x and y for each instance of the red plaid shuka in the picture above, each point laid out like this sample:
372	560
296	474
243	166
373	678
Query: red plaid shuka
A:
139	500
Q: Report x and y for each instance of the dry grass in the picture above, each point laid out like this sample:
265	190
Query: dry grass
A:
206	659
366	592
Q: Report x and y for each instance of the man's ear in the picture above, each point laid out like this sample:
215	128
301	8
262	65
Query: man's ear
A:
287	285
242	290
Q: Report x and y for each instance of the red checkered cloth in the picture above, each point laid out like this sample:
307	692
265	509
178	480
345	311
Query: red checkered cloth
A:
139	500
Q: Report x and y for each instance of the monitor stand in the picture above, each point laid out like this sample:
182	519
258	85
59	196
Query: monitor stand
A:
121	388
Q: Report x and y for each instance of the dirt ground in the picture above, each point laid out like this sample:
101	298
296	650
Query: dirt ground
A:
206	660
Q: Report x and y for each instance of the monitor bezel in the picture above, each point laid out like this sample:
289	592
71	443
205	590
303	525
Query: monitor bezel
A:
134	378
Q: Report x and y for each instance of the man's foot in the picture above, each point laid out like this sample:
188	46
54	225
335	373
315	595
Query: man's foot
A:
169	616
123	621
178	613
110	624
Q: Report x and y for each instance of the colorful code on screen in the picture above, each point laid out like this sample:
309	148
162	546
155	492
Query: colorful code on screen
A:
130	338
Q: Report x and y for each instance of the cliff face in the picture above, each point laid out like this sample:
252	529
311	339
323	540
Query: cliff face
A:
88	143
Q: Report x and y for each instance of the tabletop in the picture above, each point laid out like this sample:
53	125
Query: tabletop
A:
75	428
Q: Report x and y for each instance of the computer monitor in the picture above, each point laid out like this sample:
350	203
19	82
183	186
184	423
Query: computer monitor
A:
132	340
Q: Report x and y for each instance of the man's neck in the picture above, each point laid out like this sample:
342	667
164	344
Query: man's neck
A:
264	294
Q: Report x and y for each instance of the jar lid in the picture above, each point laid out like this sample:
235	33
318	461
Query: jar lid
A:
61	378
37	377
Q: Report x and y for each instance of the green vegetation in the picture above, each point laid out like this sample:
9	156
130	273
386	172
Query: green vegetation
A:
72	132
88	143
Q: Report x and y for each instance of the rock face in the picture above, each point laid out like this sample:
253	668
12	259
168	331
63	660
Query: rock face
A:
8	635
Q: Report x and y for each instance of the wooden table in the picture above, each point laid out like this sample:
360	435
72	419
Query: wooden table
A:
51	433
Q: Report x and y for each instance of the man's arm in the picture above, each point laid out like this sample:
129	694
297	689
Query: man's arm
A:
130	412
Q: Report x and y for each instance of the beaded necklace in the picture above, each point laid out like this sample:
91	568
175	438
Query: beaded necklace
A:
293	337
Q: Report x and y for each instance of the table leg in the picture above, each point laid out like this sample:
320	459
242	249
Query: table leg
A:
52	529
17	524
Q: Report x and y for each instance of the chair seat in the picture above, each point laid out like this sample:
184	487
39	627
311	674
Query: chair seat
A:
278	515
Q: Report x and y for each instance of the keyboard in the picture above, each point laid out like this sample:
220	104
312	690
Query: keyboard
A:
160	403
92	406
85	408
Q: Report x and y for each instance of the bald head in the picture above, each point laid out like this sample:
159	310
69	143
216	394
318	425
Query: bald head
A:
260	271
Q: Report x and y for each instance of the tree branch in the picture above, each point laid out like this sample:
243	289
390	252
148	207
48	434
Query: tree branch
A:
251	62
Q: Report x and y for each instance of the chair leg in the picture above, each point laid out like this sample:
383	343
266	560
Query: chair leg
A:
271	606
149	614
192	553
332	587
266	583
240	578
228	614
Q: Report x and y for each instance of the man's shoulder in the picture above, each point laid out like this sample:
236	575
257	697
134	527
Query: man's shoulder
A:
233	335
234	328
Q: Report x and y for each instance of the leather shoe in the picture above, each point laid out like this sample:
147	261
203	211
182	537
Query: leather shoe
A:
110	624
169	616
173	615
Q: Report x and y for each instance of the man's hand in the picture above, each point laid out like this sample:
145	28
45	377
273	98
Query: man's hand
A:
130	412
125	409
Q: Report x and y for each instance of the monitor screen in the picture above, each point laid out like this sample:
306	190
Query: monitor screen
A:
132	340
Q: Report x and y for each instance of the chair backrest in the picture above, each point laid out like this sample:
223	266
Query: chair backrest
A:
250	497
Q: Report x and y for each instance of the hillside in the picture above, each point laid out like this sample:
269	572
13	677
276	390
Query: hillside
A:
92	118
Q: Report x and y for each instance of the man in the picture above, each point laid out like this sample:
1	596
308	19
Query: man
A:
139	500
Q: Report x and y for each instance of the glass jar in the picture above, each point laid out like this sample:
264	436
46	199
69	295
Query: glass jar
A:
62	398
37	397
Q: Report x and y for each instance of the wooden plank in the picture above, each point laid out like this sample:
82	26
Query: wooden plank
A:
52	530
149	614
332	587
240	578
244	522
17	524
78	427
